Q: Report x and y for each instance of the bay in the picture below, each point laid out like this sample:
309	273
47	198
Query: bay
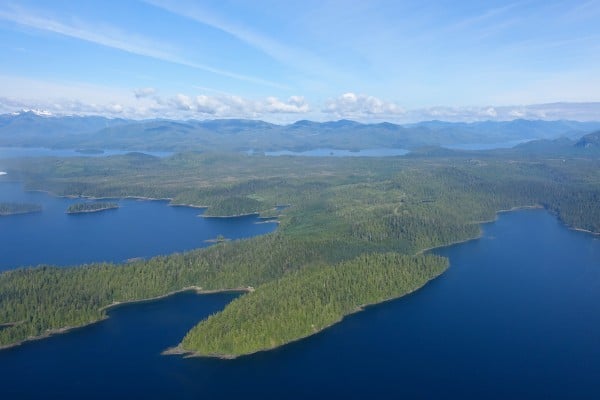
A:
517	315
138	228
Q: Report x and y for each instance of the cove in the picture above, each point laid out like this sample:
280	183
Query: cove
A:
138	228
517	315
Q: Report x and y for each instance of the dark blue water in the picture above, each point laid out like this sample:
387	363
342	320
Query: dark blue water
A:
18	152
136	229
516	316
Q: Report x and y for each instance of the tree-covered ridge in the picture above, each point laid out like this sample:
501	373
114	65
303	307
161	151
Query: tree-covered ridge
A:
18	208
85	207
342	209
233	135
307	301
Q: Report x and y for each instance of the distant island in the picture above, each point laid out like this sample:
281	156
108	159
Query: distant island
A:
79	208
18	208
356	234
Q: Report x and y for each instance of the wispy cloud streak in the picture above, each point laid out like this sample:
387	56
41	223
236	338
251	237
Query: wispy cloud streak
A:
117	39
289	56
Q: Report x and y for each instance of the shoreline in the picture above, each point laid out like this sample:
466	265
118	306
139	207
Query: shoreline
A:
231	216
177	350
57	331
171	204
196	289
583	230
480	223
91	211
180	351
270	221
217	240
516	208
144	198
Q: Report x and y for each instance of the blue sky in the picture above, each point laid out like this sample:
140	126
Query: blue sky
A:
282	61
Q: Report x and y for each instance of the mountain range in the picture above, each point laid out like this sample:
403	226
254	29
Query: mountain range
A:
34	129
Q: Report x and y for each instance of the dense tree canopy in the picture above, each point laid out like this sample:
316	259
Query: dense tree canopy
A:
350	237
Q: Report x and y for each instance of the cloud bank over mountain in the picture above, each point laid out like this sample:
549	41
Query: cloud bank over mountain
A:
148	102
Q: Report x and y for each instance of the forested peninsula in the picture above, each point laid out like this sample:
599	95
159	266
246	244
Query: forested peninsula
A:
79	208
354	235
18	208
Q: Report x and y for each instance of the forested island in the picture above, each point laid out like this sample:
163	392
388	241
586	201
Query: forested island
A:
355	234
79	208
18	208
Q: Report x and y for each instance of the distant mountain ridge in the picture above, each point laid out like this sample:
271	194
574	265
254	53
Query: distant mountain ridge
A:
589	140
40	130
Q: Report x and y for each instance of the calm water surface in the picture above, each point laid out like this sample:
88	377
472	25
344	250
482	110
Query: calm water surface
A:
517	315
136	229
18	152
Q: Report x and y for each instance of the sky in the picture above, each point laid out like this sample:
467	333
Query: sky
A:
282	61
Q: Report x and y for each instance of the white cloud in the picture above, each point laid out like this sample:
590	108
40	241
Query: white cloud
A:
490	112
76	98
551	111
295	104
235	106
589	111
177	106
351	105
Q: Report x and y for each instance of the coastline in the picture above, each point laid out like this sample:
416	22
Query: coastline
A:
91	211
57	331
171	204
144	198
177	350
516	208
231	216
217	240
584	230
180	351
197	289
